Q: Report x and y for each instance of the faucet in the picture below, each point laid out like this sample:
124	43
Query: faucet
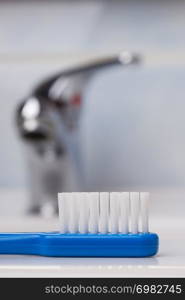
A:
48	124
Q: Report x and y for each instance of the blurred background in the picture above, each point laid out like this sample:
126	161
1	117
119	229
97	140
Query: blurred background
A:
132	125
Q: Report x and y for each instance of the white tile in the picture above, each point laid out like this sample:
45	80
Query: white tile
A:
46	26
73	26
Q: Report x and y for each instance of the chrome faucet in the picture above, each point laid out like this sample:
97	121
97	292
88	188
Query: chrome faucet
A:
48	123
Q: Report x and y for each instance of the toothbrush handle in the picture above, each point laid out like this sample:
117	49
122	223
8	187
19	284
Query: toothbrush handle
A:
19	243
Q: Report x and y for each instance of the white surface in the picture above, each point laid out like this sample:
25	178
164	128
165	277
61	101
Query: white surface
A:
169	262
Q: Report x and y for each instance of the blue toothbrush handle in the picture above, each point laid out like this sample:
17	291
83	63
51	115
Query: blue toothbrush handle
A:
19	243
79	245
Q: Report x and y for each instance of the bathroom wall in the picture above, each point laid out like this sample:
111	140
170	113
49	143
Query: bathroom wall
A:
133	133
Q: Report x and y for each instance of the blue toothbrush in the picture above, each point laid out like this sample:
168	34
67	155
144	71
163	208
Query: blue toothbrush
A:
92	225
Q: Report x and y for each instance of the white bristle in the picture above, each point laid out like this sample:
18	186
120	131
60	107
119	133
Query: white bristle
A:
114	212
144	200
73	213
104	212
93	212
63	211
134	211
83	205
124	211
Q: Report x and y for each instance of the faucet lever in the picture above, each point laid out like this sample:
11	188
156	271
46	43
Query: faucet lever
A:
124	58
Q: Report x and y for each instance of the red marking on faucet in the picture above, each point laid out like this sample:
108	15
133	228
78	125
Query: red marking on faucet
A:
76	100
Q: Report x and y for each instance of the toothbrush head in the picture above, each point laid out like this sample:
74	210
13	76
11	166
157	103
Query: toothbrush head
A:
104	225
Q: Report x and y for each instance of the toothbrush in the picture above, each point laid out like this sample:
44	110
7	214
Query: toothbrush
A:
92	225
